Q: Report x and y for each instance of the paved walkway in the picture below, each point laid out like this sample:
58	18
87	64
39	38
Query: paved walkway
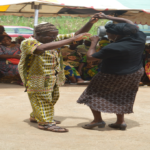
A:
17	133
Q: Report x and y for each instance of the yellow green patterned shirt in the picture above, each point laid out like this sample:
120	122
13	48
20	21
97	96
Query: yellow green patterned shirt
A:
38	72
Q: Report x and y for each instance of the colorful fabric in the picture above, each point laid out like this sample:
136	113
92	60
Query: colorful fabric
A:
71	72
90	69
82	49
73	57
147	69
42	75
103	43
64	36
35	70
43	105
8	69
112	93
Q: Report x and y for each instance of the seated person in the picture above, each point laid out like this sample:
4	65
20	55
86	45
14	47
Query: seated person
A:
103	42
73	57
82	49
19	39
88	69
9	58
147	60
70	72
2	30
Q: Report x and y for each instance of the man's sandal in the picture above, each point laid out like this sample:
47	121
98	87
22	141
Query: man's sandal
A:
34	120
53	128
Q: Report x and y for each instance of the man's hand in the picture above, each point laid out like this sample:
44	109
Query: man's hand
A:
81	36
102	16
96	17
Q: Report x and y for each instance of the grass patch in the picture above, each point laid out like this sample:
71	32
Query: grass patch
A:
64	24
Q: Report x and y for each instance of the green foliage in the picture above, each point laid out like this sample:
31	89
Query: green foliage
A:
64	24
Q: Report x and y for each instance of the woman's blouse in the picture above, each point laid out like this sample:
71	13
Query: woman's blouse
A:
123	56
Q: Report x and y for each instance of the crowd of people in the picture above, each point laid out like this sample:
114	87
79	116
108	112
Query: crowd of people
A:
77	69
48	60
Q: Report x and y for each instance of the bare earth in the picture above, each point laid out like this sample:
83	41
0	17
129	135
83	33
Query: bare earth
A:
17	133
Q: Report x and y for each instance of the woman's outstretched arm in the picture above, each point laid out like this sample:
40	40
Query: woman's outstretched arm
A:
89	24
116	19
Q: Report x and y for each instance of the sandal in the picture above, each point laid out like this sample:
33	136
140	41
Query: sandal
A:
35	121
53	128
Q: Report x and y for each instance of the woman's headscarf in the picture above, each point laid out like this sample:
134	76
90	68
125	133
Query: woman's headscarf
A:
121	29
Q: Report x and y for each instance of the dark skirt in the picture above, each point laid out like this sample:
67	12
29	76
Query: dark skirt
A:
112	93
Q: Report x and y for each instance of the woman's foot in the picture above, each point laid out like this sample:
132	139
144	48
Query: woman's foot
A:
121	126
93	124
53	128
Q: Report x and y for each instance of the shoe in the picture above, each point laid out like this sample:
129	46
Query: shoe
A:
118	126
98	124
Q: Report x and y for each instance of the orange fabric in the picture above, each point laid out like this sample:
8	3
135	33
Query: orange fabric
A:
147	70
14	60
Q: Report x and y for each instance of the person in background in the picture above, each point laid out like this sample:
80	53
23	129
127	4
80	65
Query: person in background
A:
147	60
70	71
88	69
83	48
19	39
9	58
72	57
2	30
103	42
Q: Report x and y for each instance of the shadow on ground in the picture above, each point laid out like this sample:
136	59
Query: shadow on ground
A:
130	123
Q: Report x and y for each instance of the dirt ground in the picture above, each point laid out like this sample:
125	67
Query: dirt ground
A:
17	133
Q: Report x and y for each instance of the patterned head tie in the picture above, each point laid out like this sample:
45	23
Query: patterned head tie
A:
44	27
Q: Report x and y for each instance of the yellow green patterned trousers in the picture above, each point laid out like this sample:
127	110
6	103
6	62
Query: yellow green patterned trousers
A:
43	105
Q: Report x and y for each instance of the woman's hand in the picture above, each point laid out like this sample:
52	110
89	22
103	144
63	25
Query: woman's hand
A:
102	16
94	38
94	18
81	36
